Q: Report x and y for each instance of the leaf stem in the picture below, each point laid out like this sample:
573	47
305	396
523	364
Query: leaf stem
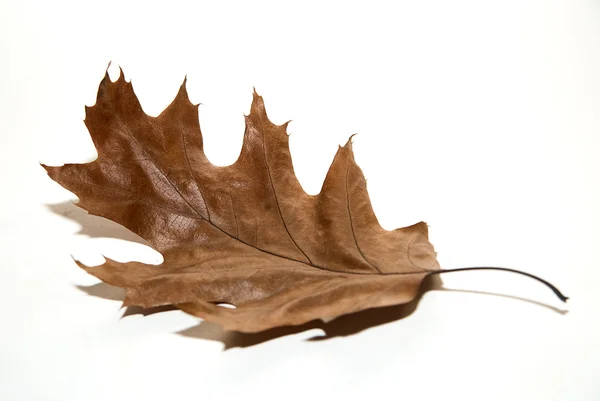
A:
460	269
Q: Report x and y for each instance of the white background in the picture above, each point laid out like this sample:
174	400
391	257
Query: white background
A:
481	118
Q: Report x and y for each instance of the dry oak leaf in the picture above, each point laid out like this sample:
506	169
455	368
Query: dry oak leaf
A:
245	234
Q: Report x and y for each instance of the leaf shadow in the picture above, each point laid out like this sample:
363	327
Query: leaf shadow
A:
340	327
94	226
99	227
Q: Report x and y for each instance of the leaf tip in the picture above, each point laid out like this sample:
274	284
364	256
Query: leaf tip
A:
348	147
84	267
183	93
258	105
50	170
107	67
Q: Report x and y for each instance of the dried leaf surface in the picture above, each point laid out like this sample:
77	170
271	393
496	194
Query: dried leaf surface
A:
245	234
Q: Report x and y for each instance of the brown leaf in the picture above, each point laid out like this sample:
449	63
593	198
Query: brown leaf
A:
245	234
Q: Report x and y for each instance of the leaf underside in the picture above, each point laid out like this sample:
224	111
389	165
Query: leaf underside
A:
245	234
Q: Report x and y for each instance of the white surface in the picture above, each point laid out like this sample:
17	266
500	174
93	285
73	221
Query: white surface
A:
479	117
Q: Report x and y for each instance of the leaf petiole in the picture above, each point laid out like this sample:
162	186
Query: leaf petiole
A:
553	288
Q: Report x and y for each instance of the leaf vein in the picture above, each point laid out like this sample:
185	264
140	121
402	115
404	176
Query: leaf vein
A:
352	224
